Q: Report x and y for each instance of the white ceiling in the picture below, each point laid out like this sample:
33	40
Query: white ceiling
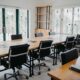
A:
18	3
30	3
61	3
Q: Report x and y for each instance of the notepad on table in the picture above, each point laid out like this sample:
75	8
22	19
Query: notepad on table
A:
76	66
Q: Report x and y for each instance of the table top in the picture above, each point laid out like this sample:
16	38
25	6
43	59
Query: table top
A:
34	43
64	73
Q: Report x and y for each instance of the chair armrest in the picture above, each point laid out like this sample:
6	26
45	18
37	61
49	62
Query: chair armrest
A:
5	62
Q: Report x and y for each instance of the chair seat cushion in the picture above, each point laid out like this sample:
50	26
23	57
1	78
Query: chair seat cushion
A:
34	54
77	46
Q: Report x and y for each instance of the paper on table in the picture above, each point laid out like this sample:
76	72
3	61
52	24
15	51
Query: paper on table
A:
78	62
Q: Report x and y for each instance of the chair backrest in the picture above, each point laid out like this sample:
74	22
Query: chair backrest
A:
18	55
59	47
51	33
69	55
78	39
14	37
38	34
45	48
70	41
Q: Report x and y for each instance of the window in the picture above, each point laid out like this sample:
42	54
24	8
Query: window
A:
1	32
56	20
76	23
67	21
10	22
23	22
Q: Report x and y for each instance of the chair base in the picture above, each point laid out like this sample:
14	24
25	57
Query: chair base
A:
41	64
11	75
15	74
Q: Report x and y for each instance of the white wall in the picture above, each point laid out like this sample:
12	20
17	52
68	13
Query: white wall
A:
61	3
44	2
66	3
19	3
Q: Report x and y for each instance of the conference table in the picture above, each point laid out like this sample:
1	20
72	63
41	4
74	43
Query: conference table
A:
64	72
33	42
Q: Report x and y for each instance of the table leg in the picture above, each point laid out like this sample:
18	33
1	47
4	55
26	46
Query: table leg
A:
30	72
32	67
52	79
54	57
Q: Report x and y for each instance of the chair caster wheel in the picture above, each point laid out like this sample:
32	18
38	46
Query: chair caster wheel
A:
49	69
27	77
39	73
44	65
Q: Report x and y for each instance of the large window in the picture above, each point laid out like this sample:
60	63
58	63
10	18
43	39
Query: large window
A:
76	23
13	22
23	22
56	20
67	21
10	22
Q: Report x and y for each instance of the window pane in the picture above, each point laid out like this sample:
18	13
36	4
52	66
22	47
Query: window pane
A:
76	24
67	21
10	21
1	33
56	20
23	22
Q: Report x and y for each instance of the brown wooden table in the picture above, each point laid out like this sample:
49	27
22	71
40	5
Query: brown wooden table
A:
34	43
64	73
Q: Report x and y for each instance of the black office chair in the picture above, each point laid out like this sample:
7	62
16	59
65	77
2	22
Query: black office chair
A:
14	37
69	55
58	47
17	57
38	34
77	42
70	42
41	52
78	39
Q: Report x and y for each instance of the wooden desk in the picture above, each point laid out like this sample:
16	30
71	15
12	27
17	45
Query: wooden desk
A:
34	43
64	73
